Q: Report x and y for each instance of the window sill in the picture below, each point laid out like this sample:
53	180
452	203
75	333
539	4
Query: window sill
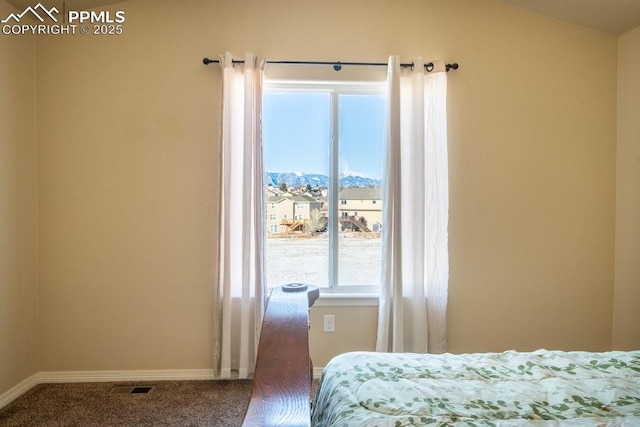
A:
329	299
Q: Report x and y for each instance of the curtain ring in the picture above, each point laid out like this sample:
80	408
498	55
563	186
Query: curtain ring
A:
429	67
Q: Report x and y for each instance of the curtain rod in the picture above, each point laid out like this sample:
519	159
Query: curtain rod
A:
337	65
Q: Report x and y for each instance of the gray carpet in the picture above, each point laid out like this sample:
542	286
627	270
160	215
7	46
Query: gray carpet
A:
169	403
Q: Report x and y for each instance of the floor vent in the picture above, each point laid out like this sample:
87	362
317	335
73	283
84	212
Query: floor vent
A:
131	389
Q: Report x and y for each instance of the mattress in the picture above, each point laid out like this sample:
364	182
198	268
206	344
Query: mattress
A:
490	389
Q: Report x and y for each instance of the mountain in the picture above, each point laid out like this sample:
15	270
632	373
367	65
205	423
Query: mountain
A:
353	180
297	179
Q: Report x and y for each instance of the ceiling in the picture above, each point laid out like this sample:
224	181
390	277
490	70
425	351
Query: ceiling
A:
611	16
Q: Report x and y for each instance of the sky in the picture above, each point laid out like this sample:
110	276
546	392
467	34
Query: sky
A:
296	132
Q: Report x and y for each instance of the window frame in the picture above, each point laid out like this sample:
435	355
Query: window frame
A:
335	89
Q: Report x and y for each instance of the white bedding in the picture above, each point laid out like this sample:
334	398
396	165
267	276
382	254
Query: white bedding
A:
550	388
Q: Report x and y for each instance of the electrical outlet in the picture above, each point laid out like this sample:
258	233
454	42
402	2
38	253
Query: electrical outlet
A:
329	323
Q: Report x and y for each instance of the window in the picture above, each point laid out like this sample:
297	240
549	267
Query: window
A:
323	143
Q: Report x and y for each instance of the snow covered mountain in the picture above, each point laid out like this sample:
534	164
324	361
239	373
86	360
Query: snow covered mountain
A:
297	179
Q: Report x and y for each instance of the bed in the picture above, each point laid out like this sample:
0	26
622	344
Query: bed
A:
489	389
360	389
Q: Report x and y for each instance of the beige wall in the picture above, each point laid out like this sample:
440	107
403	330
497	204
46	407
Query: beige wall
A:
626	320
355	330
18	232
127	212
532	166
128	164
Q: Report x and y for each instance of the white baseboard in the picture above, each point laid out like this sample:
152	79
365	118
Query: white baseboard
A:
113	376
317	372
17	391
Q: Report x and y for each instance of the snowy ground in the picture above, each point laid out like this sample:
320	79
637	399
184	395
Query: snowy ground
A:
306	260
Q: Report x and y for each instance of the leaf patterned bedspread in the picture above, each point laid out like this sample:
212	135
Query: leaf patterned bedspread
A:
547	388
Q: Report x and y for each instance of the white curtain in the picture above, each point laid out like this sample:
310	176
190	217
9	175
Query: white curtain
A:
415	264
240	294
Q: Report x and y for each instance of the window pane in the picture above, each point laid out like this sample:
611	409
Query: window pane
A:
296	137
361	130
301	208
296	128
